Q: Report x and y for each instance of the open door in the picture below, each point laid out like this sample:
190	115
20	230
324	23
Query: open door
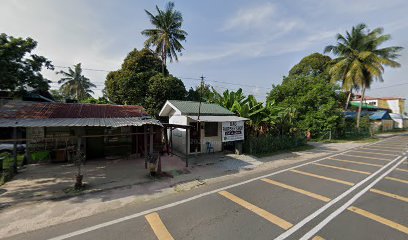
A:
195	137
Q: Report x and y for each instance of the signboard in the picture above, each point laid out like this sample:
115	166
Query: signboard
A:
232	131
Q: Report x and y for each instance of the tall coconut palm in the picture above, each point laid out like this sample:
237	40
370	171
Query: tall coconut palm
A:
167	34
74	84
361	60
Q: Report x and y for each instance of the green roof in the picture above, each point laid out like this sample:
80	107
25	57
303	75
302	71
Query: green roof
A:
191	108
364	106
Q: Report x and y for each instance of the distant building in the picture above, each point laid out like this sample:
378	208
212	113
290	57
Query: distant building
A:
394	104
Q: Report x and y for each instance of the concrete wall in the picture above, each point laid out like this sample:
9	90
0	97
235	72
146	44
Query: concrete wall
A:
215	141
179	135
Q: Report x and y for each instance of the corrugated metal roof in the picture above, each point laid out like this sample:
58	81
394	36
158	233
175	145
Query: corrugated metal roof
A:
191	108
218	118
380	115
79	122
44	110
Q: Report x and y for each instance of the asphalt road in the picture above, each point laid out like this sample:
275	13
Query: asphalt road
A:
358	194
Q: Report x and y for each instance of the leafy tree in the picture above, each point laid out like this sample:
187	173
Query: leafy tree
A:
167	34
201	90
360	59
313	103
228	98
163	88
57	95
129	84
19	68
314	64
99	100
74	84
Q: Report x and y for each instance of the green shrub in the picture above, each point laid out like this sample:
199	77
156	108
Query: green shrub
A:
270	143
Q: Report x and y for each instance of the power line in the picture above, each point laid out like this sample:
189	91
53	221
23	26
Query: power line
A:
222	82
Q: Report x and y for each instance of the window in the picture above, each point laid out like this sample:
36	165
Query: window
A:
211	129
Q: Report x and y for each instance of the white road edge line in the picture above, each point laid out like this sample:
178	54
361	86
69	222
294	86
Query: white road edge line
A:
136	215
348	203
331	203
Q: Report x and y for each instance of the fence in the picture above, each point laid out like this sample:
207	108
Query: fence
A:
346	134
269	144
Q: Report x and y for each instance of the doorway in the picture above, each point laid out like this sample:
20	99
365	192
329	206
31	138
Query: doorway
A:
195	137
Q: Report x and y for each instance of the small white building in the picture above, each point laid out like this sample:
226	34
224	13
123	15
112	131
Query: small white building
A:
400	121
217	126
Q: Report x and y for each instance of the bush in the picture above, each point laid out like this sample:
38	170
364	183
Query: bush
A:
270	143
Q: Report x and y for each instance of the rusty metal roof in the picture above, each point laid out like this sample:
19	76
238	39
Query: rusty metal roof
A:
79	122
51	114
48	110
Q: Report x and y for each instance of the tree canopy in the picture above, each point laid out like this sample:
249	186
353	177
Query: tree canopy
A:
316	102
162	88
19	67
314	64
129	84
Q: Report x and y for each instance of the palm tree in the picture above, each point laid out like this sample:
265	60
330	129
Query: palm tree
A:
74	84
360	60
167	34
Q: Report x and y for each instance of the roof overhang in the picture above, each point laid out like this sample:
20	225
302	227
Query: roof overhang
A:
79	122
218	118
166	109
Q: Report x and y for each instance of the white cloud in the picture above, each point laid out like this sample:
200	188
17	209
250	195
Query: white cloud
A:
253	17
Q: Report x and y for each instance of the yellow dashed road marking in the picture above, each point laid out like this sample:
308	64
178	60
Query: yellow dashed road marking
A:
374	158
317	238
323	177
379	219
361	163
259	211
384	148
383	154
387	194
402	170
341	168
295	189
396	180
391	195
158	227
362	212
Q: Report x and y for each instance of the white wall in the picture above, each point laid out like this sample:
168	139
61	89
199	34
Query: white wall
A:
179	135
394	106
215	141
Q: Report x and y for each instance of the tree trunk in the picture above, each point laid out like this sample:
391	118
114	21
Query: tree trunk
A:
360	106
163	57
348	100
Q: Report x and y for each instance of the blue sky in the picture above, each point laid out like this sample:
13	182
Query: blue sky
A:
249	43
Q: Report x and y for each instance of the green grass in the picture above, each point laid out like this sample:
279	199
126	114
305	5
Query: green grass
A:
8	161
294	149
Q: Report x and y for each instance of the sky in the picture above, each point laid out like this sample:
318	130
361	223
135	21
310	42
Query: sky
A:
233	44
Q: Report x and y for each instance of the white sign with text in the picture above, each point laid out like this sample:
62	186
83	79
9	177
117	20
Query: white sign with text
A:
232	131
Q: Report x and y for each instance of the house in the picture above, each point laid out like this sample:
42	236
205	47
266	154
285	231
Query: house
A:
98	130
400	120
381	120
394	104
212	127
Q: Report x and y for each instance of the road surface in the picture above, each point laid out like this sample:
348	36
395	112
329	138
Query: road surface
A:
361	193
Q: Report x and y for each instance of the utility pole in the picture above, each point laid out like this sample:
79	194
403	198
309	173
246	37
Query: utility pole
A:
199	112
201	95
